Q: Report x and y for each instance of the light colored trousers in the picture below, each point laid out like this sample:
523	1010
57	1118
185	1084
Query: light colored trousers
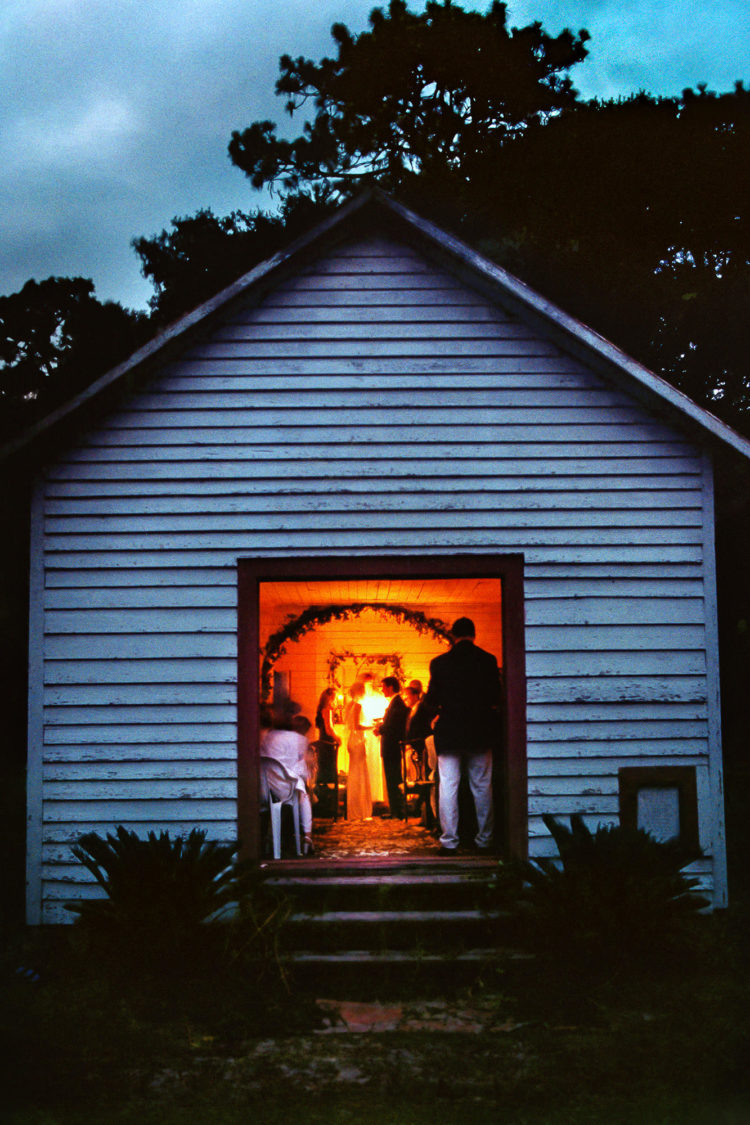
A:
479	772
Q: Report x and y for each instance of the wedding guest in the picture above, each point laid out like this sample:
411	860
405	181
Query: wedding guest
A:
302	725
328	741
418	728
324	717
286	745
465	694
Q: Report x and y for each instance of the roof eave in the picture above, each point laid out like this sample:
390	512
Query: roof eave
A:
259	277
579	336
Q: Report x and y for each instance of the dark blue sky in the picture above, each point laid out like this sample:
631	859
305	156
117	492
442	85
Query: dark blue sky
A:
115	114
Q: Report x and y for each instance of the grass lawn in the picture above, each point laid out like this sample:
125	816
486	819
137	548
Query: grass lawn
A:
672	1048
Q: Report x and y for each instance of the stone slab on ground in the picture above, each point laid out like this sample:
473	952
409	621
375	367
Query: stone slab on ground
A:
469	1048
433	1015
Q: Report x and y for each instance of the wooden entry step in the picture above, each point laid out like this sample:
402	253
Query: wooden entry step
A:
379	927
384	885
426	930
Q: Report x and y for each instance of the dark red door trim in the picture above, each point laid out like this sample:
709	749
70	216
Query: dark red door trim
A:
251	572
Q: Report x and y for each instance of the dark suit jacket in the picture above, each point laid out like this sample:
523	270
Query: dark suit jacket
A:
418	726
465	694
393	728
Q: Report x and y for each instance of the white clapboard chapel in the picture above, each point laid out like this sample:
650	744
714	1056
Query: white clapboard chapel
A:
373	432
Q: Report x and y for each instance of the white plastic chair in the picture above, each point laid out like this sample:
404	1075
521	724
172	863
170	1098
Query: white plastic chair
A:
278	788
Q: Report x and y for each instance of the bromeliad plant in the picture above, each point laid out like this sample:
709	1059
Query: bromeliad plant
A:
615	898
173	904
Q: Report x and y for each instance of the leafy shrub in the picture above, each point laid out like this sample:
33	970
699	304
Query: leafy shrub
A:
616	897
174	906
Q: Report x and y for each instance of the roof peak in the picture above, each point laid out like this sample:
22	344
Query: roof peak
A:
495	281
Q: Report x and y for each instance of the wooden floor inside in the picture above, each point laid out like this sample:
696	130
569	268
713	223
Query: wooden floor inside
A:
375	838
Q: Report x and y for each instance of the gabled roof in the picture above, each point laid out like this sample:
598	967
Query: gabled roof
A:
373	208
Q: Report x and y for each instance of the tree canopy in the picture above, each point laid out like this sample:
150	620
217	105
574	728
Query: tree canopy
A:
55	337
632	214
200	254
431	92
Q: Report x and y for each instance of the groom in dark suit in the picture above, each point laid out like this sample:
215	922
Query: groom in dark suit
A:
392	728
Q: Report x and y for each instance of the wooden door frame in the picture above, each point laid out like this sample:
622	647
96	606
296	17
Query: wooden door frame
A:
253	571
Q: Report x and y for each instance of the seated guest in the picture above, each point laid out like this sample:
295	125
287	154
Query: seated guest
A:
302	725
287	746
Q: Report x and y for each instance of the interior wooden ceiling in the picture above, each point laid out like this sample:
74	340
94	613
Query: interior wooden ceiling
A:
414	593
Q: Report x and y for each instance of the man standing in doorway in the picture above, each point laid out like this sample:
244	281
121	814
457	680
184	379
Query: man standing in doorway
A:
465	695
392	729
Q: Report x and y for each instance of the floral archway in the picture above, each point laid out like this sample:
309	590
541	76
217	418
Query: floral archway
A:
297	625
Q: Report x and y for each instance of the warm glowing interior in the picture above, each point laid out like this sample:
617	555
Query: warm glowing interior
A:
337	651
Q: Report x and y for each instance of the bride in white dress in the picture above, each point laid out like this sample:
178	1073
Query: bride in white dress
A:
358	796
373	709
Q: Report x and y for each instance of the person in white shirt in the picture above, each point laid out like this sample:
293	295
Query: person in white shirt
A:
285	745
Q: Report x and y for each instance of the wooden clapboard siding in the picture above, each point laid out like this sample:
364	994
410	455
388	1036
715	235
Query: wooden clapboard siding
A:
370	405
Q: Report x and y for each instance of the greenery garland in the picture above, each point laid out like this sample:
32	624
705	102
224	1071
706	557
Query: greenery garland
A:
297	625
337	657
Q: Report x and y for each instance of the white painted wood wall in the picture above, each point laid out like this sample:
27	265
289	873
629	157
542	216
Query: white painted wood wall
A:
373	405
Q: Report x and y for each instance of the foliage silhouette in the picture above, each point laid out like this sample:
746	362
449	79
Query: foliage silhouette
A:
175	906
201	254
426	92
615	899
631	214
645	236
55	338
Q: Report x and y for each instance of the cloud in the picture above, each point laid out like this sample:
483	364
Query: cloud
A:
115	115
660	46
46	142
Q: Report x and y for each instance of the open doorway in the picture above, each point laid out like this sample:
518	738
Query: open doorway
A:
309	624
